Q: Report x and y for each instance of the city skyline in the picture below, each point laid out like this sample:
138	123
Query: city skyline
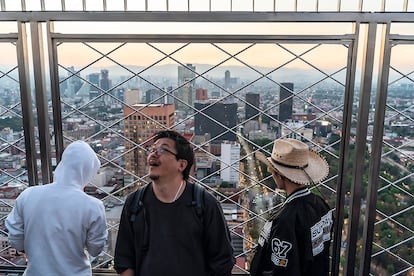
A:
365	132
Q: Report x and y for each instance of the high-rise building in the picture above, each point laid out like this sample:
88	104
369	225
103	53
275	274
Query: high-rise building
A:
73	83
229	162
227	79
154	96
252	108
94	85
186	82
286	101
201	94
105	82
141	122
216	118
229	82
133	96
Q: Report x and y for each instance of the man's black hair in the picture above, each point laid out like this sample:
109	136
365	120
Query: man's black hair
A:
183	147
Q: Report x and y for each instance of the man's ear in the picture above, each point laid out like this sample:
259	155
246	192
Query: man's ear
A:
183	165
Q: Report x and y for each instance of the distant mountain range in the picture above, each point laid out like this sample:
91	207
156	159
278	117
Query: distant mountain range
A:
171	71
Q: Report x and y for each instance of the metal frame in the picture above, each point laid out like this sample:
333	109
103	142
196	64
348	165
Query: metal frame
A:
26	99
56	38
360	5
370	19
374	170
41	100
195	16
361	134
344	152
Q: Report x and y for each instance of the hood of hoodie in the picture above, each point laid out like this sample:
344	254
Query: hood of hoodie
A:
79	164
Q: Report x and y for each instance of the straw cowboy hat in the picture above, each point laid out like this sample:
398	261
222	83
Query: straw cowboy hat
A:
294	160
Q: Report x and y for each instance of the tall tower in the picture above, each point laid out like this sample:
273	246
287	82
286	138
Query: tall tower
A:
229	160
105	81
105	84
141	122
154	95
286	99
253	109
94	86
74	82
227	79
186	83
212	119
132	96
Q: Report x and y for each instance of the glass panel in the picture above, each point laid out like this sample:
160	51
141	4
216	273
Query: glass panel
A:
220	5
263	5
136	5
12	5
74	5
157	5
114	5
53	5
200	5
242	5
178	5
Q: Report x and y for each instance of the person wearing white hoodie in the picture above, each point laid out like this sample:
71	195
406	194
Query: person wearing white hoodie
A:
58	225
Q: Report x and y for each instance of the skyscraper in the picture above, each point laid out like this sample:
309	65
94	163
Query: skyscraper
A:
227	79
186	82
105	82
229	82
154	95
201	94
140	123
73	82
229	162
133	96
252	109
94	85
286	101
216	118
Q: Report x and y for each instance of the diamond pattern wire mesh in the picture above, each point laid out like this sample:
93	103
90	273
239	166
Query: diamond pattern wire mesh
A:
92	112
99	113
394	228
12	144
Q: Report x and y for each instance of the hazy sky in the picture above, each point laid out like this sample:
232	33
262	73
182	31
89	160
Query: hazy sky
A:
268	55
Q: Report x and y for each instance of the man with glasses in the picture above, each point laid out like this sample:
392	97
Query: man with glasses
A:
167	237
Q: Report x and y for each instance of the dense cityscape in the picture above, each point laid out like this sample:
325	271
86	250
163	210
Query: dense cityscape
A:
227	119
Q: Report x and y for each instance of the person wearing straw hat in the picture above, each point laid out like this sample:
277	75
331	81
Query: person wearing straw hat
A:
296	239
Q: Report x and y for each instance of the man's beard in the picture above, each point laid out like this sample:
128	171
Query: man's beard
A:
154	177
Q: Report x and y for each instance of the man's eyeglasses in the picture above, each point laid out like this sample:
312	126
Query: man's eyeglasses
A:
159	151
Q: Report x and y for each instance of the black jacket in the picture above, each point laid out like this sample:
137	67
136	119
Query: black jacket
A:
296	240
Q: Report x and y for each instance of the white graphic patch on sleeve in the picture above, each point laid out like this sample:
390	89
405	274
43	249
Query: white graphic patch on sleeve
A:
321	232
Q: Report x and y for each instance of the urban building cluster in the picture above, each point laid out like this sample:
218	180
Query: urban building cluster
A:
223	122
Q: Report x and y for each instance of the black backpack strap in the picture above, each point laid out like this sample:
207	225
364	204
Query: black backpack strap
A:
137	203
198	199
137	206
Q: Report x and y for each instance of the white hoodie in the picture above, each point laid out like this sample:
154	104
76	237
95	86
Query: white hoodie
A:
56	223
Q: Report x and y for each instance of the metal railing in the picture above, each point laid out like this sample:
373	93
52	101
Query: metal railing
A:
367	147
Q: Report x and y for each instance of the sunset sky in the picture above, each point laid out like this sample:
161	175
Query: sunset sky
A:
329	56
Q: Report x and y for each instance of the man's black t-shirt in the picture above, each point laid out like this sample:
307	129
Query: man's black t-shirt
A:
180	242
